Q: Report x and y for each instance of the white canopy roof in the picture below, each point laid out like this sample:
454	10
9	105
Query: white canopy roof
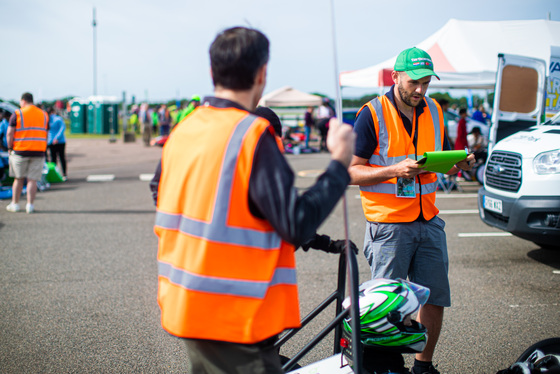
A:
288	96
465	52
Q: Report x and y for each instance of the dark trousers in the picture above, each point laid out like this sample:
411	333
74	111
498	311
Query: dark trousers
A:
377	360
56	151
215	357
322	126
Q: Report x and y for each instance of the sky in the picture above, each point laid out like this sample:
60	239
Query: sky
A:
158	50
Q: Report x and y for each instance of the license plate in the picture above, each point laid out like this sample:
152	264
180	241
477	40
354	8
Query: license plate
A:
492	204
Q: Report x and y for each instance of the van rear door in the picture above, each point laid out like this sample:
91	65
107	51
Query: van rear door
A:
519	96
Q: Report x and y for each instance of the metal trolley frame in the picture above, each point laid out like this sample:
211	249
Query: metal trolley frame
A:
347	275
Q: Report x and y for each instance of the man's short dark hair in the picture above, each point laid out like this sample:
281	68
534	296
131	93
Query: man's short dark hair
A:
463	111
236	55
27	97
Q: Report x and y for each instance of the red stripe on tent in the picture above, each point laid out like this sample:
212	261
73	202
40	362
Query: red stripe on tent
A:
441	63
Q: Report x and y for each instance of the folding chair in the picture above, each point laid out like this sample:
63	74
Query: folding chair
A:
447	183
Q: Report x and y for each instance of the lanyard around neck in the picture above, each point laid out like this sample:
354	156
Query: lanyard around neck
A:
413	133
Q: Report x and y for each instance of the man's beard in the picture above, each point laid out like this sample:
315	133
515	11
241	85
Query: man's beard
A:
405	97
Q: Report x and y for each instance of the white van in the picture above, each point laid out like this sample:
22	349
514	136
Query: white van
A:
521	192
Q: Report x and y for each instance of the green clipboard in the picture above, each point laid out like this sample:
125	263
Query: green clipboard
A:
441	161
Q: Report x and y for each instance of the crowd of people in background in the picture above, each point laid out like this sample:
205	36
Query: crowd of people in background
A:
310	135
464	138
473	141
155	122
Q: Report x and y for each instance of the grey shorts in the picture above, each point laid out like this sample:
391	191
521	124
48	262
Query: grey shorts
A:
26	167
415	250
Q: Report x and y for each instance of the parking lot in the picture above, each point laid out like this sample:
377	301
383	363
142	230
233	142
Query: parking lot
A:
79	278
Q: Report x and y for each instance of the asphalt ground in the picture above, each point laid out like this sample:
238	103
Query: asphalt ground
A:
78	279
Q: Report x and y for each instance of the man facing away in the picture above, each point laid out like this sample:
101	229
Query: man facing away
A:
404	236
229	217
27	144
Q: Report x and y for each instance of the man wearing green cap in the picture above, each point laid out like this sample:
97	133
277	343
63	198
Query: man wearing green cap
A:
404	236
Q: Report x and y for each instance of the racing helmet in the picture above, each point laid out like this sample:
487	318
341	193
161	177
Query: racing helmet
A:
386	308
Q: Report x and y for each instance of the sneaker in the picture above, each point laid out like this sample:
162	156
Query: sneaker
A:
12	207
29	208
430	370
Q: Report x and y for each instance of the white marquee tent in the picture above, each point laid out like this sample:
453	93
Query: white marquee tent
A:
465	52
288	96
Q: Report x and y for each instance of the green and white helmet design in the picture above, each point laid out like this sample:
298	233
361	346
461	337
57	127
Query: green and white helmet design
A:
385	305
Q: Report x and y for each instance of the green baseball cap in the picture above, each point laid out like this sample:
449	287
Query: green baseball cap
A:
416	63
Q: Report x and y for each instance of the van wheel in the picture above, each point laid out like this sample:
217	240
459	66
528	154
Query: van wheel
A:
480	173
547	246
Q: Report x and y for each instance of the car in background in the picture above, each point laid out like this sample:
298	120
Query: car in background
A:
349	115
7	107
6	110
453	120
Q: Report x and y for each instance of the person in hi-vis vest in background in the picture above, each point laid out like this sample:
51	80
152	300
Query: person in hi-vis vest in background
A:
404	236
27	144
229	218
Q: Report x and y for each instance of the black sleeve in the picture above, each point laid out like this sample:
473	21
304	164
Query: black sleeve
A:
273	196
154	183
13	120
366	140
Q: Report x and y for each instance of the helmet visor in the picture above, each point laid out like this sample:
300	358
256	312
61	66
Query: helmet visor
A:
422	293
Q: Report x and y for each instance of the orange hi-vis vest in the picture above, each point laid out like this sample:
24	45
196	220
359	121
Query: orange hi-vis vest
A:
224	274
379	201
31	130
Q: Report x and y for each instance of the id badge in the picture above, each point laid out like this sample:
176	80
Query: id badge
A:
406	187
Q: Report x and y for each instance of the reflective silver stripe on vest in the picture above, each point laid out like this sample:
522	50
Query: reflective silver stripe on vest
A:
377	160
384	160
225	286
21	119
383	138
390	188
383	142
217	230
33	128
429	188
29	139
437	127
44	128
